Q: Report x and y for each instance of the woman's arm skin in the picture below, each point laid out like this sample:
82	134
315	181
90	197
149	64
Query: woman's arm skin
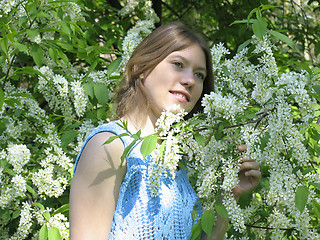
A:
249	178
95	188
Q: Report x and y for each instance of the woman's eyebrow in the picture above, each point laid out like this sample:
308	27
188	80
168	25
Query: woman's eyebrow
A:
186	60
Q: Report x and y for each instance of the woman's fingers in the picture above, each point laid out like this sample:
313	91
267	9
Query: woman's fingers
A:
242	147
249	164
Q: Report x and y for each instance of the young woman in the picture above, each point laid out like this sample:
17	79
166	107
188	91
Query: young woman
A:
171	66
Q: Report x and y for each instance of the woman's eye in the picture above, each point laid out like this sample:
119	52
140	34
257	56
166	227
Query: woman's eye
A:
200	76
178	64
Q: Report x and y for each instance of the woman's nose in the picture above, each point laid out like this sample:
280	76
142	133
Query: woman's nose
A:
187	78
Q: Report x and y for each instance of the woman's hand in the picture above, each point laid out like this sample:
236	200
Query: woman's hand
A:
249	174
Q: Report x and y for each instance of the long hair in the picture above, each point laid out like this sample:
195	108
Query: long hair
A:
130	94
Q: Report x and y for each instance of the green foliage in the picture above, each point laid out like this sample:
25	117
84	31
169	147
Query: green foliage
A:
80	41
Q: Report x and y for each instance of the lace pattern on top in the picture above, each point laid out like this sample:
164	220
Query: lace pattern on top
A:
138	215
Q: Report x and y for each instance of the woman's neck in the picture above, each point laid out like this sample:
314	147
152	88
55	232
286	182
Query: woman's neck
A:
144	122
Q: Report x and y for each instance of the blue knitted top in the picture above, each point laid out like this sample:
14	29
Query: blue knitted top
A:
138	215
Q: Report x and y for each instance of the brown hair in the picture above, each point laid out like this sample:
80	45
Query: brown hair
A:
150	52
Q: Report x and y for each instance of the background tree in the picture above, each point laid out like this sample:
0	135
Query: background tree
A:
60	62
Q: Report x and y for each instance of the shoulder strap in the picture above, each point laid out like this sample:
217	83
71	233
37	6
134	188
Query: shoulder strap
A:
112	127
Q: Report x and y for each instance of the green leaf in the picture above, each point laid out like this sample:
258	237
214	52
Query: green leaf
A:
63	56
221	210
102	113
12	102
37	54
317	49
243	45
196	231
301	197
16	214
225	71
5	214
66	46
148	145
20	47
54	234
264	140
43	233
127	150
29	70
110	139
65	28
283	38
61	209
31	190
39	205
4	45
316	88
259	28
46	215
200	139
316	208
113	66
32	33
1	98
53	54
316	185
25	95
68	137
207	221
304	66
88	89
101	93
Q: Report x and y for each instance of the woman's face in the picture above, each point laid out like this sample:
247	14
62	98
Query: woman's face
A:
177	80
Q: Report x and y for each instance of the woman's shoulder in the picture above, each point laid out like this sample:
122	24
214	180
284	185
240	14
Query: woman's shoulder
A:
95	146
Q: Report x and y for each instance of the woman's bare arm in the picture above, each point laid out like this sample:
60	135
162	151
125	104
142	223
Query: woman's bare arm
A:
95	188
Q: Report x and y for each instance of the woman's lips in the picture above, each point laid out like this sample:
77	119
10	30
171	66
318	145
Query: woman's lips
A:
181	96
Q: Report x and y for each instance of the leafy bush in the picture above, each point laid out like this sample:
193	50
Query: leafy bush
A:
60	62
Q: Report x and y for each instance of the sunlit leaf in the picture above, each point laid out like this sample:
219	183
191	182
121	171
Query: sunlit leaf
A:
54	234
43	233
113	66
61	209
37	54
301	197
283	38
148	145
207	221
221	210
259	28
101	92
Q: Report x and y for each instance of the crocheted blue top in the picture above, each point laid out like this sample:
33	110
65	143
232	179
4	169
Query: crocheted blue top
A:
138	215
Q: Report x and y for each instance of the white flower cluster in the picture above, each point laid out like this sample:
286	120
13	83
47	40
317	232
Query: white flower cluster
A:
205	161
57	91
228	107
234	211
165	161
50	178
129	7
80	100
133	38
25	223
171	115
61	222
274	137
141	29
53	178
7	5
217	52
18	155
